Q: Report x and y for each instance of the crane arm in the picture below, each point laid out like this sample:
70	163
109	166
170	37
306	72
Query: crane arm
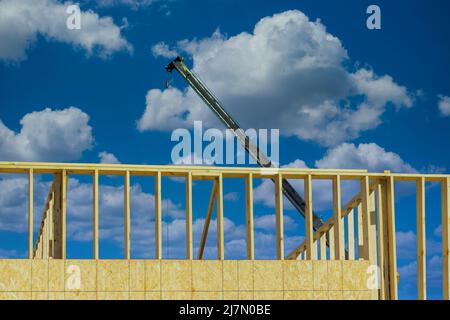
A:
216	107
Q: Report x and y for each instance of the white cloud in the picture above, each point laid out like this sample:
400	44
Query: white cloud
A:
161	49
21	22
364	156
288	73
14	203
444	105
407	245
408	274
268	222
47	135
106	157
345	156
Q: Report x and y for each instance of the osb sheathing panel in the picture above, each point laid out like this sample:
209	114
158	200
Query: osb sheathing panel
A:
183	279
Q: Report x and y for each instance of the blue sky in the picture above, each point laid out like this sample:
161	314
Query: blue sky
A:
94	82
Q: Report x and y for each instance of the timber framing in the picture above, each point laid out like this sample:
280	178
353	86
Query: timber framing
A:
367	221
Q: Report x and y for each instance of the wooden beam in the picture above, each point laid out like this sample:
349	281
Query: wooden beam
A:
393	280
45	235
58	216
95	214
64	183
30	213
189	240
249	217
323	247
207	221
51	225
279	216
372	250
359	230
332	243
220	232
366	218
315	250
372	228
351	234
339	242
421	240
127	216
385	240
380	229
158	216
174	170
310	253
446	237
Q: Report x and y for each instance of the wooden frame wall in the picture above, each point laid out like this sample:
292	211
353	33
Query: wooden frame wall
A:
374	206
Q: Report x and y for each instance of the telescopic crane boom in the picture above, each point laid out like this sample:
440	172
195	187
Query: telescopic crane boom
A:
213	103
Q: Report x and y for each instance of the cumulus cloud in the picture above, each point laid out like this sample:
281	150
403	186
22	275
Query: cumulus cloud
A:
47	135
408	275
268	222
370	157
444	105
14	203
407	245
287	73
21	22
106	157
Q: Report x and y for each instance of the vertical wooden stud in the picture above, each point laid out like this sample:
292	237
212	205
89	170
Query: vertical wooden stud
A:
310	253
158	216
372	229
381	253
351	234
393	280
446	238
249	217
95	215
365	201
359	230
279	216
339	241
314	250
44	227
189	240
421	240
220	232
64	182
127	216
323	246
372	250
30	212
332	243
